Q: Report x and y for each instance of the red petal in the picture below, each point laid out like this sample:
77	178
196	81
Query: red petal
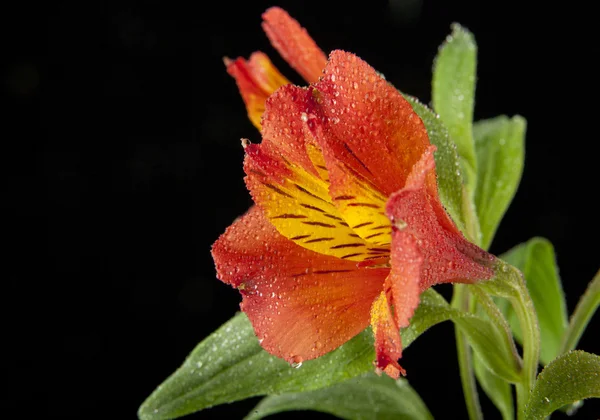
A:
447	255
366	122
283	129
402	286
359	202
388	348
256	78
294	44
301	304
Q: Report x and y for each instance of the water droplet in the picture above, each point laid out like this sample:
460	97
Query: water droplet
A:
296	362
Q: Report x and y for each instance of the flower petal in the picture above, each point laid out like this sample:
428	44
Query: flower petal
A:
256	78
294	44
387	338
301	304
369	126
283	129
447	255
402	294
359	202
283	179
297	203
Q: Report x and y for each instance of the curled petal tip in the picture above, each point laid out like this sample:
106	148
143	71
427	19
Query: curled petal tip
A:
294	43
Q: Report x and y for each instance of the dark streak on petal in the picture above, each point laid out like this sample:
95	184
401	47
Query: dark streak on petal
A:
362	225
381	227
299	274
347	246
289	216
379	249
296	238
356	157
305	191
319	224
308	206
318	240
373	206
257	172
277	190
373	235
351	255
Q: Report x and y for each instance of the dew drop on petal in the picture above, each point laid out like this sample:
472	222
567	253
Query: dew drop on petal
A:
296	362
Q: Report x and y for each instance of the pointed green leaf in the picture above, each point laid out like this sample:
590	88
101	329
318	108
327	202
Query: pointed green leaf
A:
365	397
500	144
230	365
535	258
453	93
450	181
498	390
583	313
569	378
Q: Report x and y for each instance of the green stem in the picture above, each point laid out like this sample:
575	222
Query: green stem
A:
496	316
460	300
509	283
525	311
585	309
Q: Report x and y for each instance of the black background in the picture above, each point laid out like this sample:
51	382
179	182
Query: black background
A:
122	166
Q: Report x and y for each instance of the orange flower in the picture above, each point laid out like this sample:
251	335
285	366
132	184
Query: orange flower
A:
258	78
348	229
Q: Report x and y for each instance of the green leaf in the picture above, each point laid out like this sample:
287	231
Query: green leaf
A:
535	258
230	365
450	182
364	397
498	390
569	378
453	92
583	313
500	144
485	338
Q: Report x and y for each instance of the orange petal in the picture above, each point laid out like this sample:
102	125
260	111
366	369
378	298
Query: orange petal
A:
367	124
283	179
402	286
447	255
256	78
359	202
283	129
298	205
388	348
294	44
301	304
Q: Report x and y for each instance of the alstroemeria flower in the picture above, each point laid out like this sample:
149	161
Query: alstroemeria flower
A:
348	228
257	78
